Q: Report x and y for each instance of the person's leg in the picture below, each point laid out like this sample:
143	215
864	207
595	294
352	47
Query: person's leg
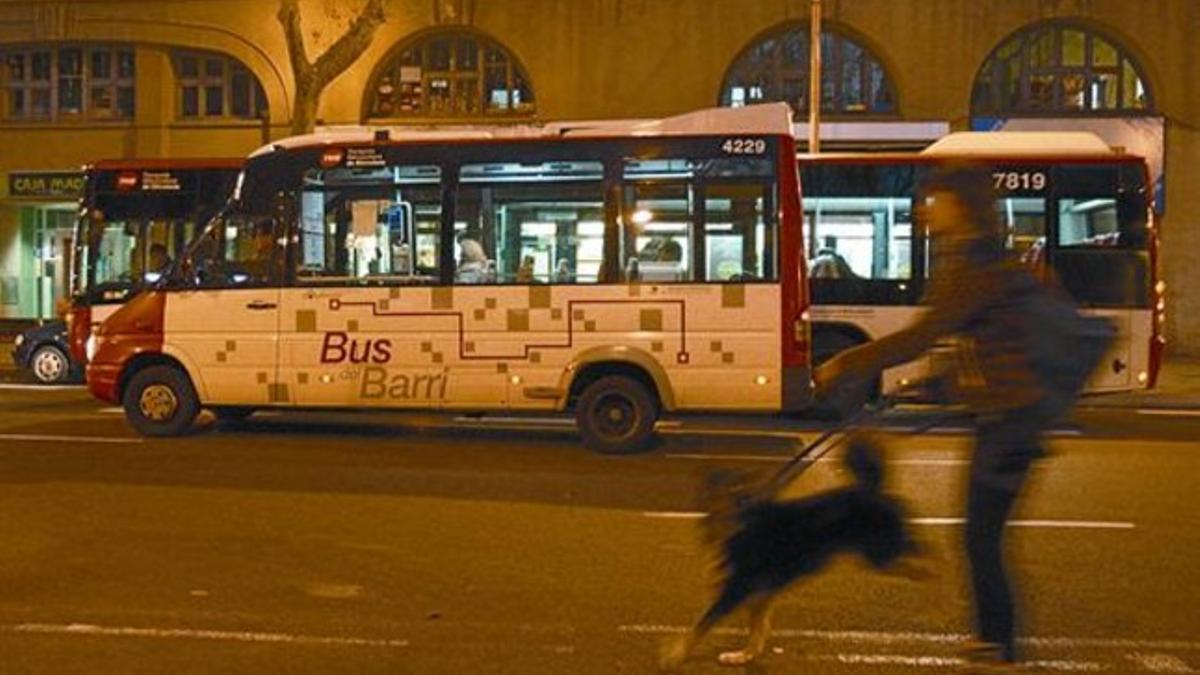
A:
1004	449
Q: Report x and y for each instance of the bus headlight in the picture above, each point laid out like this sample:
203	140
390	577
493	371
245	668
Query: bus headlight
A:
90	347
20	340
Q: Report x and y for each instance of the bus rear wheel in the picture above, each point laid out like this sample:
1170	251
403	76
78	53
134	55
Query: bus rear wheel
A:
616	415
160	401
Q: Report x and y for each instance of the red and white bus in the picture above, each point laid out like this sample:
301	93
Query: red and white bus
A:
136	217
614	269
1078	211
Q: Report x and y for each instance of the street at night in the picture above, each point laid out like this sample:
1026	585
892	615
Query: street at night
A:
410	543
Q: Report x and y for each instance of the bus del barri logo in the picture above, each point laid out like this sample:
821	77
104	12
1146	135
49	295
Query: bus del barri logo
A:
376	380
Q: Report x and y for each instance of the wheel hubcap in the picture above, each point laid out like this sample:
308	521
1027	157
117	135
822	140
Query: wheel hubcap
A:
616	414
48	366
158	403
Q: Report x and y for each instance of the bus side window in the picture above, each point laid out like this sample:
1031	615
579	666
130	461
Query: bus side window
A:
659	216
531	223
378	227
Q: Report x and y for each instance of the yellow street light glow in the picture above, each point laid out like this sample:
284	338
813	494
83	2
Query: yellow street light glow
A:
642	216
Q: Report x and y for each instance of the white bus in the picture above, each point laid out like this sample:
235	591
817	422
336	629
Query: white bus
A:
617	270
1076	210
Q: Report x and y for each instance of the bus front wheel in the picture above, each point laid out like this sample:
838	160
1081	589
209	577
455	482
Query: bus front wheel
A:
616	415
160	401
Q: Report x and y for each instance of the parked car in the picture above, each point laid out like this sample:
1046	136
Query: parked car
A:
46	352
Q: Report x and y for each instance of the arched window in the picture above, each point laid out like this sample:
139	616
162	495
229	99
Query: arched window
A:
450	74
775	68
214	86
1059	68
53	82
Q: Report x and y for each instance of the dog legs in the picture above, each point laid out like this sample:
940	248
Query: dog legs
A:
676	650
760	630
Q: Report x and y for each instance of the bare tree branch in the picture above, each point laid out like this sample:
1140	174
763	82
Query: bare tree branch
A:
351	45
289	18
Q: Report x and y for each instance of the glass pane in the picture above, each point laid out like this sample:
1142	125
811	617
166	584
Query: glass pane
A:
14	70
190	102
40	102
1088	222
1073	46
125	64
70	62
860	237
1074	91
1041	49
70	95
466	96
439	100
214	68
189	67
100	102
437	55
1103	53
1041	92
466	55
101	64
739	246
1025	220
40	68
16	102
214	101
1134	92
125	102
539	223
240	94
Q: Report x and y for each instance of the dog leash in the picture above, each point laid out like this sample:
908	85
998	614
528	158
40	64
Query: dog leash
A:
829	439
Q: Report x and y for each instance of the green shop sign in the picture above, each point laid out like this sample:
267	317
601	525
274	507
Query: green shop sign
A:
46	185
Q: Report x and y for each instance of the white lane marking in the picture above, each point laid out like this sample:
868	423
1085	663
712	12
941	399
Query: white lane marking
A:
1048	524
42	387
198	634
823	460
39	438
1168	412
906	637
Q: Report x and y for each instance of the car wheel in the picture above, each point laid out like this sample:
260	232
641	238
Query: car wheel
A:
160	401
50	365
616	415
232	413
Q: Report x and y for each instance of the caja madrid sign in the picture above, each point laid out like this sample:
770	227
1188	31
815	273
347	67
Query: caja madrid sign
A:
46	185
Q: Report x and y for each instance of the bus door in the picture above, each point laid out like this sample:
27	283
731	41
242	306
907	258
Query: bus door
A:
226	329
359	325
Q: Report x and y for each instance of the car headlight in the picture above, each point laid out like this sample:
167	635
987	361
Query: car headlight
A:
90	347
19	341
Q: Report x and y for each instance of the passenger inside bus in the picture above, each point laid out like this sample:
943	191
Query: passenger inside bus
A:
829	264
473	264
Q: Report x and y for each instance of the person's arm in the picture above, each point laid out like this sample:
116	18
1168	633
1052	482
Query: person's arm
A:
951	305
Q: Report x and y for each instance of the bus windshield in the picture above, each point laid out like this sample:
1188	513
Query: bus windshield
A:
135	221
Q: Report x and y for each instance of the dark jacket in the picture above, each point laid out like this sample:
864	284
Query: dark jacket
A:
977	296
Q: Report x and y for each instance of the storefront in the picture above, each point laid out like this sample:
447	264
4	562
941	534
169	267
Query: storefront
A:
37	218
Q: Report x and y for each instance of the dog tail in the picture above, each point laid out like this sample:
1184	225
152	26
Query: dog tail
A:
864	459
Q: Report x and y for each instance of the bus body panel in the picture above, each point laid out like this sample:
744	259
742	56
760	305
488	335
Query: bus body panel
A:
479	347
229	342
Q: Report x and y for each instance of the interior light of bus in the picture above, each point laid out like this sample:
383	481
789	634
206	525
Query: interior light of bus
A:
642	216
1143	377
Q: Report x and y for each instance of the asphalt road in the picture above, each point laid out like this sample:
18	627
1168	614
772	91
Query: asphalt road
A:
423	544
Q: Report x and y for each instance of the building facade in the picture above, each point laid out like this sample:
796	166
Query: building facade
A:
82	80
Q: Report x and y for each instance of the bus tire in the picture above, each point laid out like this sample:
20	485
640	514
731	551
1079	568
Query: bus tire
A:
850	397
50	365
232	413
160	401
616	415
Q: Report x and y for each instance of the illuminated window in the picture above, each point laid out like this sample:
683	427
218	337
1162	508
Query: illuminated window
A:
212	85
776	68
451	74
67	82
1060	68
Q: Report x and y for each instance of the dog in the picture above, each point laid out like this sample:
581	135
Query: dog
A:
763	545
